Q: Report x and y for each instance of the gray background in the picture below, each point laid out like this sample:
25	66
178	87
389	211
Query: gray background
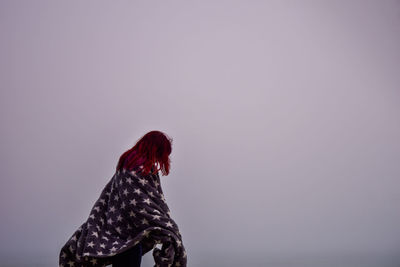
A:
284	115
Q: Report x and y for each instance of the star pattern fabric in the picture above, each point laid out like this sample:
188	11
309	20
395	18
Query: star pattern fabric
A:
131	209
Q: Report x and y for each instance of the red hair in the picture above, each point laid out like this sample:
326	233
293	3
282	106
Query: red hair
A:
154	147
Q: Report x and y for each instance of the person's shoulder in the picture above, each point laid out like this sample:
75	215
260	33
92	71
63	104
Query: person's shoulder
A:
135	171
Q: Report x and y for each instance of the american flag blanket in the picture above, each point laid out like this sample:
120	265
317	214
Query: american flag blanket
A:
131	209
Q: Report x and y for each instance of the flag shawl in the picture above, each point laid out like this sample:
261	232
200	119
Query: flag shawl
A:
131	209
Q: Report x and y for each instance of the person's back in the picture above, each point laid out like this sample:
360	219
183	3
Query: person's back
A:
131	215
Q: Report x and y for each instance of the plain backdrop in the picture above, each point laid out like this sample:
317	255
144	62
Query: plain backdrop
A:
284	117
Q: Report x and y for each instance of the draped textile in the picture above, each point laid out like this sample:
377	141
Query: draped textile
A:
130	209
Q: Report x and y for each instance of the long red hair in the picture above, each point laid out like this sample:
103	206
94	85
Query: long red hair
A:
154	147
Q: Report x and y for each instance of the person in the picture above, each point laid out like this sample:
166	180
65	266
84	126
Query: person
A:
131	215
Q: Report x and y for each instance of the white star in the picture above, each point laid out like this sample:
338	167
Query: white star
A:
102	221
103	245
71	263
156	217
147	200
184	254
133	202
144	221
97	208
99	253
123	205
102	201
113	249
129	180
132	214
142	181
93	261
115	243
163	198
120	182
73	238
142	211
137	191
109	221
116	197
104	237
151	194
92	216
179	243
108	232
169	224
119	218
156	183
118	229
95	234
146	233
64	255
125	192
112	209
86	254
90	244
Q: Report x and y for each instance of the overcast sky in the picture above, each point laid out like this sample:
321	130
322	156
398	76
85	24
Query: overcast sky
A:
284	117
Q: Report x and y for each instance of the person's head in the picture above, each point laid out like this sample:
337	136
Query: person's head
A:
152	148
